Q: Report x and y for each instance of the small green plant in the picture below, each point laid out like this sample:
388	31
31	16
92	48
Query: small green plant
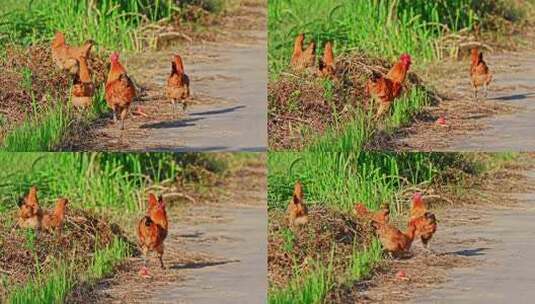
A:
289	240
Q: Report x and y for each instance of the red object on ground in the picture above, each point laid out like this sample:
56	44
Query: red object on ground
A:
401	275
144	272
441	121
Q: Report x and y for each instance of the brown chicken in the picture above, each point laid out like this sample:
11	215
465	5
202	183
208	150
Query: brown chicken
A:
83	88
297	210
178	83
418	210
479	73
385	89
32	216
302	60
54	220
66	56
394	241
381	216
426	226
326	65
120	90
152	230
30	213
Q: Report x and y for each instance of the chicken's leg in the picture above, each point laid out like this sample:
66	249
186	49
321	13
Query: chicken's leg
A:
124	112
159	250
486	90
114	116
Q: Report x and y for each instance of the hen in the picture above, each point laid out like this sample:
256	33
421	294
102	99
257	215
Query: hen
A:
394	241
326	65
152	230
120	90
66	56
83	88
302	60
297	210
479	73
385	89
178	83
30	213
54	220
381	216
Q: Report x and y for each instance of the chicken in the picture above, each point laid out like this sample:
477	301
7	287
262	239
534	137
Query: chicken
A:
83	88
382	216
32	216
418	207
178	83
385	89
326	65
30	213
297	210
419	210
399	71
120	90
479	73
54	220
66	56
302	60
152	230
426	226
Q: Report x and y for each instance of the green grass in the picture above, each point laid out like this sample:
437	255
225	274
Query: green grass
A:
113	24
99	181
48	127
355	134
374	27
313	286
55	286
339	180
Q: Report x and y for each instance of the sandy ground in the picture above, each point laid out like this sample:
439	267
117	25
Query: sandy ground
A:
502	122
227	110
215	253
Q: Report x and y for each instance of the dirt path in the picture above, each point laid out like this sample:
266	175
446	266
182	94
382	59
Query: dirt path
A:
503	122
209	249
228	106
482	254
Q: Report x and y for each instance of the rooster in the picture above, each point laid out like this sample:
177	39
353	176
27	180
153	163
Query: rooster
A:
178	83
418	210
297	210
480	74
83	88
66	56
120	90
152	231
385	89
326	65
302	60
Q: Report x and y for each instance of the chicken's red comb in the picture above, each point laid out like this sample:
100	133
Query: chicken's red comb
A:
417	196
114	56
406	58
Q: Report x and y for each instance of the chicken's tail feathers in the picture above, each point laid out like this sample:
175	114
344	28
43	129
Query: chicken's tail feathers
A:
298	193
328	56
361	210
